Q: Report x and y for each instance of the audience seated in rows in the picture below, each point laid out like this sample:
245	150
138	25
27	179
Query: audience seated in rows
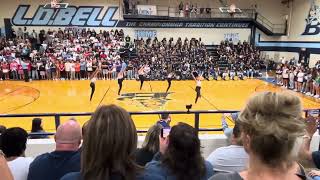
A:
270	124
65	158
13	145
230	158
150	145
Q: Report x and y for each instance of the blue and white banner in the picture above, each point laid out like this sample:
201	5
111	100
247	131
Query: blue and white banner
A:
145	34
88	16
234	37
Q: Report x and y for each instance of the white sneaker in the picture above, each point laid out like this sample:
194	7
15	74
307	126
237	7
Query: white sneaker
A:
295	90
316	96
308	93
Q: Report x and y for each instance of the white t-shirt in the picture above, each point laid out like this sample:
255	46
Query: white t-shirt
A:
20	167
285	73
300	76
229	159
198	83
67	66
72	67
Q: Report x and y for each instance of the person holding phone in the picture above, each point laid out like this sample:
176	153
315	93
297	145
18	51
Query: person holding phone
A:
180	155
312	124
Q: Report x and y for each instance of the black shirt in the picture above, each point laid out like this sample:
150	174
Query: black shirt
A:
54	165
143	156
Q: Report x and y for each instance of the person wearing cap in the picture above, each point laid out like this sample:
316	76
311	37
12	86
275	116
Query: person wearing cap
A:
65	158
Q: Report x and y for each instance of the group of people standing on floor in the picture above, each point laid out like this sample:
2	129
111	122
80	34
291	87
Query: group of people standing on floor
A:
299	78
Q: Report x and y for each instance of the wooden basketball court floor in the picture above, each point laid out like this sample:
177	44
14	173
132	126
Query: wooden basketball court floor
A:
73	96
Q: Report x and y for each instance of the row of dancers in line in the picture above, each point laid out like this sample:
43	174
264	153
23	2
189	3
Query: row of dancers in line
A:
142	77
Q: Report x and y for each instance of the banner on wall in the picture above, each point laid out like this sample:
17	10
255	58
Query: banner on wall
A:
145	34
234	37
182	24
313	19
148	10
88	16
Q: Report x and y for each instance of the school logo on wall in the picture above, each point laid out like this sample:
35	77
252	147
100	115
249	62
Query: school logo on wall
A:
149	100
88	16
71	16
313	20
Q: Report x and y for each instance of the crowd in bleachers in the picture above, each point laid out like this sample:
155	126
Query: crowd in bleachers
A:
74	53
299	77
261	145
242	59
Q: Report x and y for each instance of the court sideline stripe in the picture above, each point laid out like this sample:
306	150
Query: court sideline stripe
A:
104	95
206	99
214	106
307	98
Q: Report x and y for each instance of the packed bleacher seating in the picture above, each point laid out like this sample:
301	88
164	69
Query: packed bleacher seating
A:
74	53
261	144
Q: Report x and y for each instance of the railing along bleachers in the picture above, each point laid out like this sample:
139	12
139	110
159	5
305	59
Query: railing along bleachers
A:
58	116
208	13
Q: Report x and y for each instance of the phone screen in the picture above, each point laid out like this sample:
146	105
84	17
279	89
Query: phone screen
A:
313	113
165	132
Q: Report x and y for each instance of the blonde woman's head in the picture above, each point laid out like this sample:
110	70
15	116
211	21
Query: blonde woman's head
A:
270	123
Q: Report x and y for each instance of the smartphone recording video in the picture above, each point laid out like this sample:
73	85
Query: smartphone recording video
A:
165	132
313	113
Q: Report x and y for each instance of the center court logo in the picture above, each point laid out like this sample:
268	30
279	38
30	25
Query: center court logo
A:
72	16
149	100
313	20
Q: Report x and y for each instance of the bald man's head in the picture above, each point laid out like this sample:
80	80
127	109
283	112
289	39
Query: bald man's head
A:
68	135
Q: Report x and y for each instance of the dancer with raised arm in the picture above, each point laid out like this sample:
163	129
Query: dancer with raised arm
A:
141	74
198	78
120	80
169	79
93	79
